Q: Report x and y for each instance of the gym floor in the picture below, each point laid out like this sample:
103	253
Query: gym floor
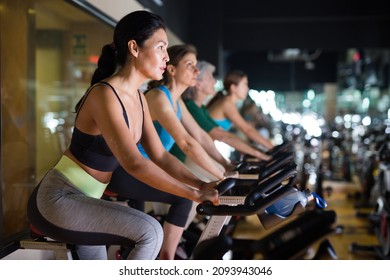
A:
354	229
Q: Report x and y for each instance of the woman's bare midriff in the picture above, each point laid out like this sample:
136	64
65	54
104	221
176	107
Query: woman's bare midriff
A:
102	176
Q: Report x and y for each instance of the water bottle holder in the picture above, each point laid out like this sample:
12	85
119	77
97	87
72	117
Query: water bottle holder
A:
270	220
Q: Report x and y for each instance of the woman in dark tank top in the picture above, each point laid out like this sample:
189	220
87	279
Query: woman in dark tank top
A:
66	204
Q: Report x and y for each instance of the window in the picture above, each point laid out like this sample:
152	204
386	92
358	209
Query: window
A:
49	50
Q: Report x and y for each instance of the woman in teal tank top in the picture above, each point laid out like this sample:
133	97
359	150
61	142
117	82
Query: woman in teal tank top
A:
226	124
222	108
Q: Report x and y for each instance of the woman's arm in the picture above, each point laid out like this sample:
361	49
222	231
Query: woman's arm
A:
237	143
231	112
203	137
159	155
122	142
161	110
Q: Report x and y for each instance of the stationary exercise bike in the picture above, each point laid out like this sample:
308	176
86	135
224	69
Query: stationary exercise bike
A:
296	236
251	173
291	241
380	216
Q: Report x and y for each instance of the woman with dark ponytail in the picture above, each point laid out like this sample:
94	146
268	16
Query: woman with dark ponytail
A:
106	64
112	118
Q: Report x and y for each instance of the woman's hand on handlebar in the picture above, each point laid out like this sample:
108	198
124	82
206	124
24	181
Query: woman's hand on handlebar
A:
268	144
209	193
231	174
208	185
230	167
262	156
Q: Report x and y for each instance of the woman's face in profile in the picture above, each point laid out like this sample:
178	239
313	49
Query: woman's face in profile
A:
186	70
153	55
207	83
242	88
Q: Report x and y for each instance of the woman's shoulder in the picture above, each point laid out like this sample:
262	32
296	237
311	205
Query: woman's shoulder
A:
162	88
226	103
155	93
158	97
158	89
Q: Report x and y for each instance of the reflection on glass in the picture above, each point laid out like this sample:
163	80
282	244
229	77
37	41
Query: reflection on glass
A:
48	62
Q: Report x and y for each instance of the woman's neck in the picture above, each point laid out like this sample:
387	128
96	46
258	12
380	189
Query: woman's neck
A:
128	80
230	96
199	98
176	90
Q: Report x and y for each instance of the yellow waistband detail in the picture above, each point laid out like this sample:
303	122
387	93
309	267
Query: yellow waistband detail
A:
79	178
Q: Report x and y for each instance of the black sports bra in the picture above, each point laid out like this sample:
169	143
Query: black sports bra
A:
92	150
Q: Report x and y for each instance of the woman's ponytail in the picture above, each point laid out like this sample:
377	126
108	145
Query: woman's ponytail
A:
106	64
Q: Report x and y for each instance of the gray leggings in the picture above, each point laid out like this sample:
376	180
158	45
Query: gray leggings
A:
62	212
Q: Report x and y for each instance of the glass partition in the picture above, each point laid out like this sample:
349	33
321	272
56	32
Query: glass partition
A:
49	50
